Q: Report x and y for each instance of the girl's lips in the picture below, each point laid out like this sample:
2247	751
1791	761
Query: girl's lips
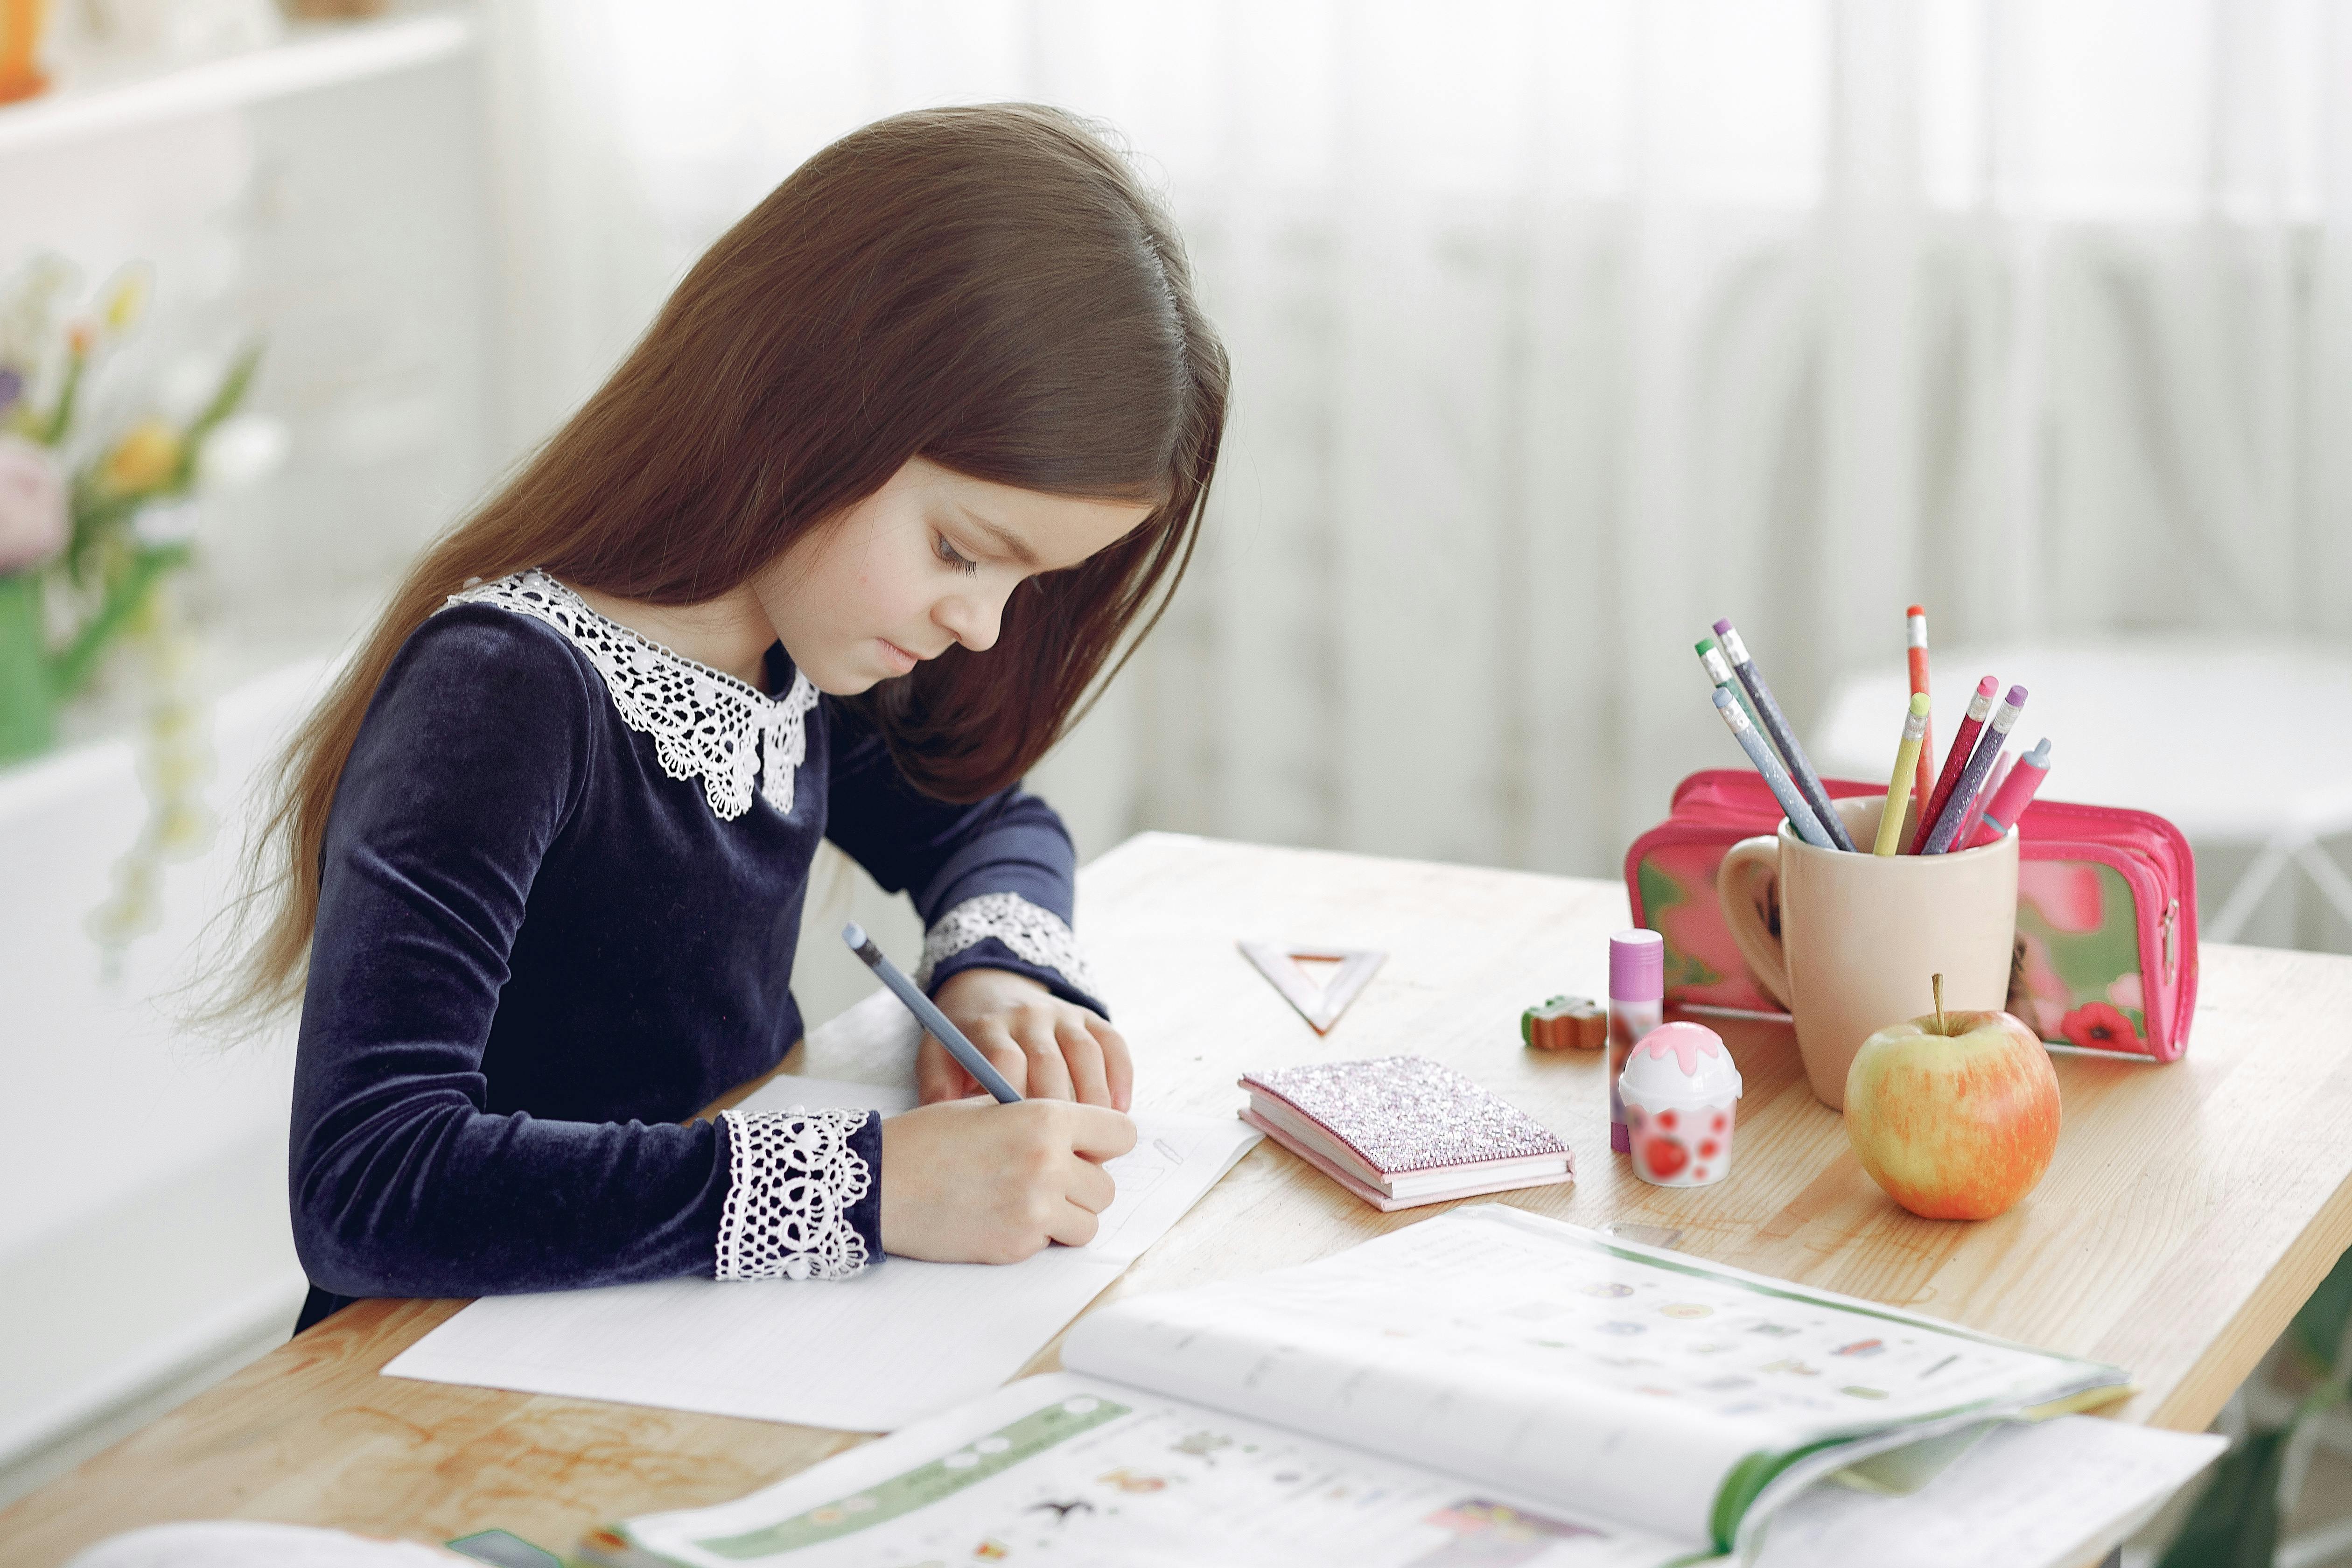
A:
897	656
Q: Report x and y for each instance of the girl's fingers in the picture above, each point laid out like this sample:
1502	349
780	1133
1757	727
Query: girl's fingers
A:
1073	1227
1092	1188
937	1076
1049	1075
1007	1056
1098	1134
1082	1053
1119	1067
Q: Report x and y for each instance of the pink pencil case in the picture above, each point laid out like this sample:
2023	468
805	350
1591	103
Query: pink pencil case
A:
2106	912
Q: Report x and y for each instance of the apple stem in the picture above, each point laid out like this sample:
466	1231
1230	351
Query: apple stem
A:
1936	984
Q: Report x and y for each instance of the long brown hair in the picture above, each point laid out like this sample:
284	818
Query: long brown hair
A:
989	288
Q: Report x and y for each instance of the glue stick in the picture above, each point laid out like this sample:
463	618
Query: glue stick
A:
1637	1003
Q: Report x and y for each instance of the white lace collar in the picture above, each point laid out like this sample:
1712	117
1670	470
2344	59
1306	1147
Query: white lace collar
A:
703	722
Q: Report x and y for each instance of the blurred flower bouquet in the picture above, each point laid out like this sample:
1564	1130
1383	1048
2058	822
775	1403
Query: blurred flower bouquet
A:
93	522
96	516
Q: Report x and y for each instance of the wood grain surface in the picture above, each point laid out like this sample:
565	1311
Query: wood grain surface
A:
2189	1210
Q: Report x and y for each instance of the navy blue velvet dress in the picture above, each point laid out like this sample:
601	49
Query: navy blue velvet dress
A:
562	885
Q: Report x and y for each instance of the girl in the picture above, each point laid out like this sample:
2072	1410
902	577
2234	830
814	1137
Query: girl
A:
837	552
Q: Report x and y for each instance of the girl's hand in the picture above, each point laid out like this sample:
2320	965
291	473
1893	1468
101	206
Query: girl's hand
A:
1046	1048
974	1182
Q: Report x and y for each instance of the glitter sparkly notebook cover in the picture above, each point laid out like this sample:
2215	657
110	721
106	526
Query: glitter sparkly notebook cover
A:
1402	1130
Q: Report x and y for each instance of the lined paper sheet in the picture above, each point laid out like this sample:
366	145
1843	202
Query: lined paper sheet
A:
900	1341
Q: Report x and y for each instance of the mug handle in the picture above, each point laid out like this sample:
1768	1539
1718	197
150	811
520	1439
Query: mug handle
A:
1742	889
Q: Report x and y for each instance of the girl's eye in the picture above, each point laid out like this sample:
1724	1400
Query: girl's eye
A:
952	557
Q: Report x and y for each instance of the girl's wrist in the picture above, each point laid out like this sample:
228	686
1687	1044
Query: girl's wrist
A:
982	981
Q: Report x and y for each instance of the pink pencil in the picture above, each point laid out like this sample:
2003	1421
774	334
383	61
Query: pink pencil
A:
2016	795
1973	776
1984	797
1956	761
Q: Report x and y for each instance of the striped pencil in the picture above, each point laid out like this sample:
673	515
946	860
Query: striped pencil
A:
1915	632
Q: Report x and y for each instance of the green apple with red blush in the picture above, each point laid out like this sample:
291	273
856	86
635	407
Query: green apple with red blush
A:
1956	1114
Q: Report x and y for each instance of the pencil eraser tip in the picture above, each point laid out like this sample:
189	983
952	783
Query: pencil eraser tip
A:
854	934
1918	704
1723	697
1723	627
1916	612
1988	686
2016	695
1705	646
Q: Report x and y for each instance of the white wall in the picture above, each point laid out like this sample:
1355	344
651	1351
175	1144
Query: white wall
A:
144	1244
144	1234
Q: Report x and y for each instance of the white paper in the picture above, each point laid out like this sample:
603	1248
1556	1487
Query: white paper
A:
1132	1479
2028	1495
900	1341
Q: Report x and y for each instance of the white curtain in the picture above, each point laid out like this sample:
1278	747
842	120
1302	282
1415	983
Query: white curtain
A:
1563	329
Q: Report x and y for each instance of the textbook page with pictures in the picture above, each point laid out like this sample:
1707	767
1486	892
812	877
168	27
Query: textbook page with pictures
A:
1485	1387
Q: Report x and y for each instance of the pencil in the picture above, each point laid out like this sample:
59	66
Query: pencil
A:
966	1054
1964	740
1776	777
1718	673
1966	838
1907	762
1776	724
2008	802
1915	632
1973	777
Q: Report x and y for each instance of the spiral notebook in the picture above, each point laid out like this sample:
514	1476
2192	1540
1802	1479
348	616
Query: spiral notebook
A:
1403	1130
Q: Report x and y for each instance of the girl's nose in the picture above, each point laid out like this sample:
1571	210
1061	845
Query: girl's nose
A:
972	619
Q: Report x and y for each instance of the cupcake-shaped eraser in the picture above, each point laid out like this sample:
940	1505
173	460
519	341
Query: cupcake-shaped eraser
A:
1680	1088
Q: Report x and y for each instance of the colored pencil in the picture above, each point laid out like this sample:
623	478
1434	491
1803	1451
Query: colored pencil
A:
1899	786
1975	813
1719	673
1915	626
1776	777
1776	724
1964	740
1973	777
935	1022
2010	802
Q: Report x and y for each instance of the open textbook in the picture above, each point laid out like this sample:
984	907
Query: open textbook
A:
1486	1388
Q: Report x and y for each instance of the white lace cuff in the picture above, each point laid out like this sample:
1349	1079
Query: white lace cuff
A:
792	1178
1036	936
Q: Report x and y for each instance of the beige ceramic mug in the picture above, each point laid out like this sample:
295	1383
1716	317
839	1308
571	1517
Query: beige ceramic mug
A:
1860	934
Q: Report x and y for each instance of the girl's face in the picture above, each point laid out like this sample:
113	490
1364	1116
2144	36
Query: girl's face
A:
922	564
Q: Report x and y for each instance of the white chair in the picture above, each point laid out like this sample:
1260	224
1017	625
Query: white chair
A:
2237	743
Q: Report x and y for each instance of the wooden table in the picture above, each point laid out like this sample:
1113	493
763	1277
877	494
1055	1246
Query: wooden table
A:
2189	1211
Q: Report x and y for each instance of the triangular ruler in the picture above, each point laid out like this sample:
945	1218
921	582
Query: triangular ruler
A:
1320	1006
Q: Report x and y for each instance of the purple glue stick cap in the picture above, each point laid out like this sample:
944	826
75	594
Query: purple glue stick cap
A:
1637	965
